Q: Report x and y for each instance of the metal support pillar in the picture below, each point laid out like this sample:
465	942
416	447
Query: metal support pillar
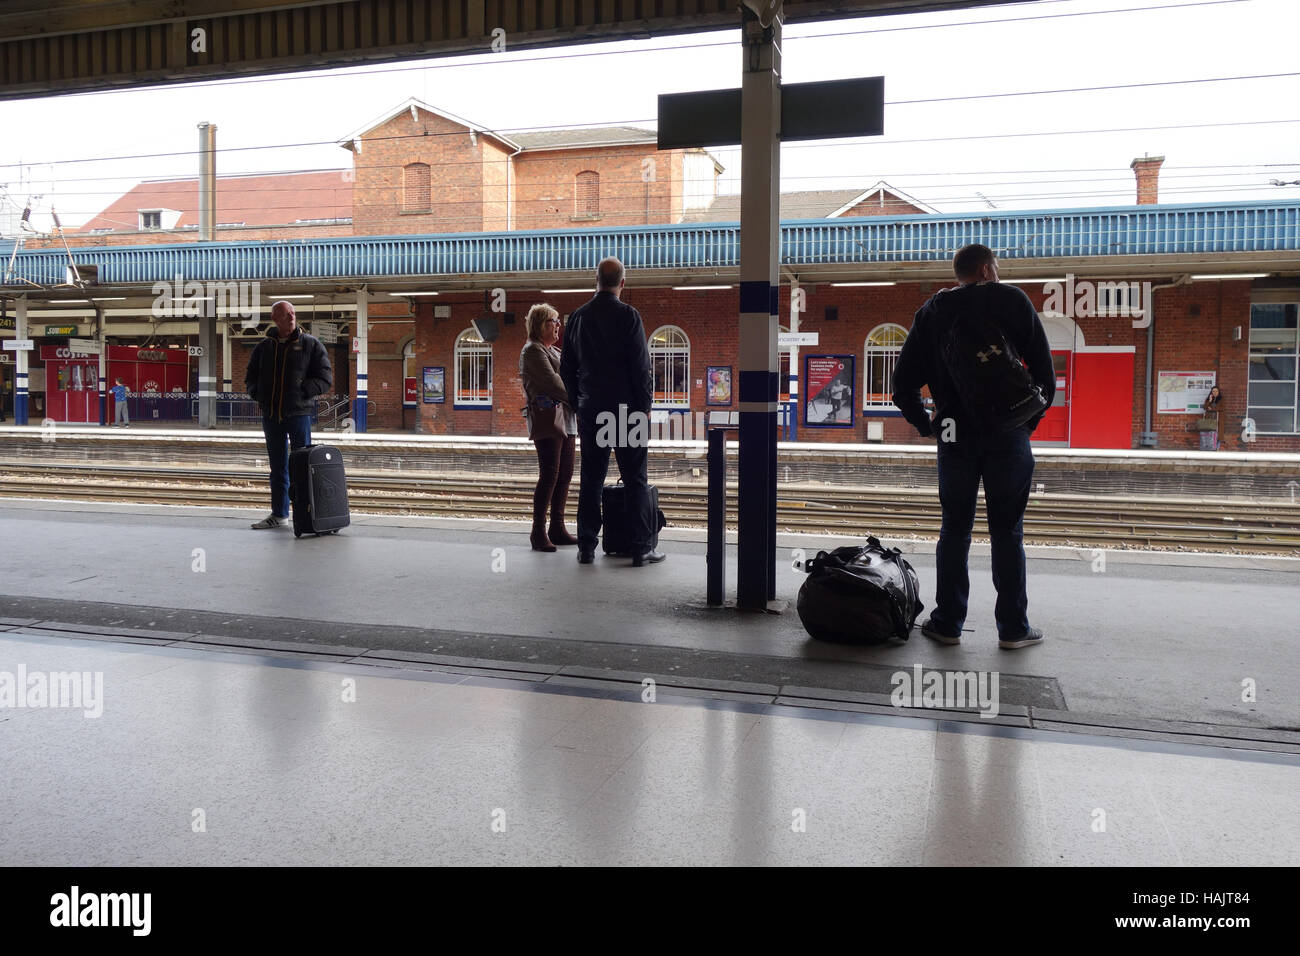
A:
796	306
359	401
207	365
760	182
101	338
20	362
715	556
225	358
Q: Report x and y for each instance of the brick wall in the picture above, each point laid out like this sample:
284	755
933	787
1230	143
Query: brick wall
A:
1193	332
456	167
545	190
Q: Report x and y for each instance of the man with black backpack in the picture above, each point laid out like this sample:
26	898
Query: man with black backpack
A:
967	344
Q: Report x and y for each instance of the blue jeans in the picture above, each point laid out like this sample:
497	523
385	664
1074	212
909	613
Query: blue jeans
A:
1006	463
281	437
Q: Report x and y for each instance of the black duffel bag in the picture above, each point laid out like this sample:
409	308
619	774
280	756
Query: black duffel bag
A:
860	595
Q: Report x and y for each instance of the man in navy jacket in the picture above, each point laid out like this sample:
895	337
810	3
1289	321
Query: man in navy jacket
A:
967	453
605	364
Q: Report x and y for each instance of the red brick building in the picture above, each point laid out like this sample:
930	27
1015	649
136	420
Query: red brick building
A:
420	170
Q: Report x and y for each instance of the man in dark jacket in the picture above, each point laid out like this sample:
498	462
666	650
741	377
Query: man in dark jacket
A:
286	372
605	365
967	453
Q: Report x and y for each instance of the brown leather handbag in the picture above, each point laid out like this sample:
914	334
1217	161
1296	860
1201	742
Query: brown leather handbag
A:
545	418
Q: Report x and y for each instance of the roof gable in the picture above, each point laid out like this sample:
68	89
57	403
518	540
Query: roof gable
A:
414	105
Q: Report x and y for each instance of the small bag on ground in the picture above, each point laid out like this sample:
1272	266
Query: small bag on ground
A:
860	595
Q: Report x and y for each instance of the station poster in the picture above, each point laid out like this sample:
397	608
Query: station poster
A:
1183	393
829	386
435	384
718	391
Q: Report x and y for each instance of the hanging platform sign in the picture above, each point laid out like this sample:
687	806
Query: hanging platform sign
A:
787	339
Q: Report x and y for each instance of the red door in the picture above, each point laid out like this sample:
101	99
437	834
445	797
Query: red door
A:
1103	397
72	390
1054	429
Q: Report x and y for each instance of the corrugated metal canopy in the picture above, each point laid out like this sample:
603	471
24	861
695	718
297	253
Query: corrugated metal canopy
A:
60	46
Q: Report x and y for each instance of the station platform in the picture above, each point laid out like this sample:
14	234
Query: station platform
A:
419	690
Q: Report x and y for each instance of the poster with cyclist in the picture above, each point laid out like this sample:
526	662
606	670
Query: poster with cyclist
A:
829	386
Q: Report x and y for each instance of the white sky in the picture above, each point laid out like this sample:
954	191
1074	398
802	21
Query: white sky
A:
619	83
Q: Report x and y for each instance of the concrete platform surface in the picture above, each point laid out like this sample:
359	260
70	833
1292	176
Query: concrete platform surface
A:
188	757
1211	643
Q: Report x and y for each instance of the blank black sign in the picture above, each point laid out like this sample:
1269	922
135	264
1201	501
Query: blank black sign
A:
827	110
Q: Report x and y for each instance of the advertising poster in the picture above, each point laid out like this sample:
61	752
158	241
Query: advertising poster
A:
829	383
1183	393
718	385
435	384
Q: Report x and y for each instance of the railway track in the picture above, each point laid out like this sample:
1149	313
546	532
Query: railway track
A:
1114	523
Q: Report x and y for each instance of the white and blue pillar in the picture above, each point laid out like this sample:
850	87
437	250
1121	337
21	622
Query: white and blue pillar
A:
760	236
20	362
101	338
360	400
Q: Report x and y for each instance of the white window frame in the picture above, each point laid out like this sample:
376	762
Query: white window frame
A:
665	354
872	350
408	359
1295	383
150	212
470	345
1115	298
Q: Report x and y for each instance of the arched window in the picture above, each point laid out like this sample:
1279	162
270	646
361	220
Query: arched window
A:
408	359
473	370
586	195
416	188
670	366
884	343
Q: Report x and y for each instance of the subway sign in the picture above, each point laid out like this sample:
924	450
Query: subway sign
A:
54	330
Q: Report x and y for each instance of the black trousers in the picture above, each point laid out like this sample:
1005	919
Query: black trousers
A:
632	469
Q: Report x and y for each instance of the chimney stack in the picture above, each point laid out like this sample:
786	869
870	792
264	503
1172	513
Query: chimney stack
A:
1147	171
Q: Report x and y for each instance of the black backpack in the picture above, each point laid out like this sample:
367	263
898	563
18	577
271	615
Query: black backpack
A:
995	388
860	595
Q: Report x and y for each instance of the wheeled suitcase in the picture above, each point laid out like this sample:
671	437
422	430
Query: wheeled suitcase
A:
615	537
318	489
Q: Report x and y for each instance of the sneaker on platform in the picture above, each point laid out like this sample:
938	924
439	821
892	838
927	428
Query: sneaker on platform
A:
932	632
1029	639
270	521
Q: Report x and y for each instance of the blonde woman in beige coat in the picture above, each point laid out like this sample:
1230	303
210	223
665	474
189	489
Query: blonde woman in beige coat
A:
539	371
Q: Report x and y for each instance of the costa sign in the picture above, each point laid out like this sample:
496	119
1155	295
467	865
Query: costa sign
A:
152	355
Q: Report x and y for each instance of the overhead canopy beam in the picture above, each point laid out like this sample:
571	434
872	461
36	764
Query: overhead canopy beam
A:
49	47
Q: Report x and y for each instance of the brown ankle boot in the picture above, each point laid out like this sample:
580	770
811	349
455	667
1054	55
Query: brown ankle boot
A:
558	534
539	539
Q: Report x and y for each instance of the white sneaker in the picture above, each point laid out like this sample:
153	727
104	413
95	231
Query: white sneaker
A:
270	521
